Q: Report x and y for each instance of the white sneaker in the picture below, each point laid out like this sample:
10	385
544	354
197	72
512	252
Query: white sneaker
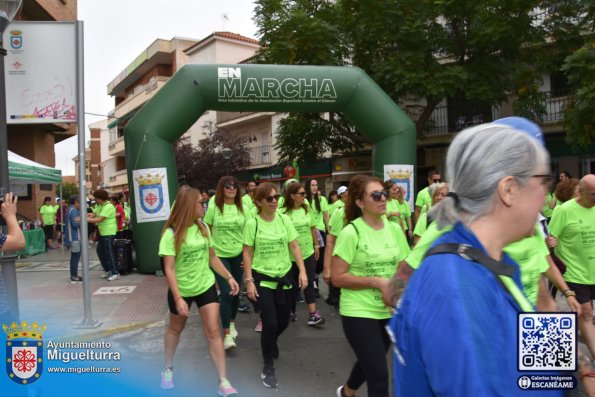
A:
229	342
113	277
232	330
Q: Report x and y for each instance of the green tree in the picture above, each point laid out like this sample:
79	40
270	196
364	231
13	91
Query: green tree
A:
420	52
202	167
68	190
579	114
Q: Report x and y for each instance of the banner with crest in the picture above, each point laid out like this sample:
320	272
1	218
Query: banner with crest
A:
402	175
151	194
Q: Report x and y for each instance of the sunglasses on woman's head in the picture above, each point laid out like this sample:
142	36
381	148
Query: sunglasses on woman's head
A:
270	199
377	196
231	185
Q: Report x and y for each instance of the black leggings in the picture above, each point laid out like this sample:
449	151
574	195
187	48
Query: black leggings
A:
275	319
309	292
370	342
229	303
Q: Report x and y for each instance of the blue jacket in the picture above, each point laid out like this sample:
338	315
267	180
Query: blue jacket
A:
72	225
456	329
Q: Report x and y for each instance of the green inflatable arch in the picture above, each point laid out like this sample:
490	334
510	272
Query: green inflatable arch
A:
257	88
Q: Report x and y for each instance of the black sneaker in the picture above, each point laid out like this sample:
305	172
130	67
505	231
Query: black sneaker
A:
268	377
76	280
243	307
315	319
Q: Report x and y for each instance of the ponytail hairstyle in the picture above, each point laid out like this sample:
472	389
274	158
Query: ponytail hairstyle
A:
388	184
183	215
220	195
314	200
478	158
357	190
289	202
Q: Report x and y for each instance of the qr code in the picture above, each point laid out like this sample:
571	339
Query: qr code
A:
547	342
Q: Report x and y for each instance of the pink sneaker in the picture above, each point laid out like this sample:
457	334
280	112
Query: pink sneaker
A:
258	327
167	379
226	389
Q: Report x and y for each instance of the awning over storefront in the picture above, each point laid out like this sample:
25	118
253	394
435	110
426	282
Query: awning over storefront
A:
318	169
123	118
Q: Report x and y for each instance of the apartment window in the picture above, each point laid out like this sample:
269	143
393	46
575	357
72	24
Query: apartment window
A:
558	84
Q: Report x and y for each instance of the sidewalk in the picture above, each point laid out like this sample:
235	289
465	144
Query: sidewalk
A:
46	296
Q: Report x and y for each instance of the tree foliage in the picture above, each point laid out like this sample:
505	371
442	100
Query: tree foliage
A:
202	167
68	190
480	52
579	115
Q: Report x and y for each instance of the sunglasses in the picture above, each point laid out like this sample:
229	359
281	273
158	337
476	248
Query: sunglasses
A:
303	194
377	196
270	199
436	180
231	186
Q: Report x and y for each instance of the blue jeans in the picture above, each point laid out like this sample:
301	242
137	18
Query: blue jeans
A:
74	263
107	254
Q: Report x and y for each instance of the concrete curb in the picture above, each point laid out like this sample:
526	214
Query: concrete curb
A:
107	332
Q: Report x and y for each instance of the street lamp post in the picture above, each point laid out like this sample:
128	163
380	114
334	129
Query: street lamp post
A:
8	276
227	156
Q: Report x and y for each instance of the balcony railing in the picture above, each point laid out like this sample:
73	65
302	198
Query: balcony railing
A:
445	119
554	106
261	155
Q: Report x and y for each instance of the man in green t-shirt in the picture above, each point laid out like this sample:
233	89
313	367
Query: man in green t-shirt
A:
105	219
423	199
248	198
573	226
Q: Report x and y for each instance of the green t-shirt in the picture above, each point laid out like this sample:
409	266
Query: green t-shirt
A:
227	229
48	213
531	255
193	274
247	202
574	227
303	222
319	215
269	241
337	222
335	206
391	206
546	210
108	226
423	198
422	225
369	253
416	255
404	212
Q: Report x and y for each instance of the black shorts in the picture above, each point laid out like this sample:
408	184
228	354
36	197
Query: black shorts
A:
48	230
584	292
209	296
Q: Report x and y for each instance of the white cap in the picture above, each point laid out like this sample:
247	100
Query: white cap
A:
341	190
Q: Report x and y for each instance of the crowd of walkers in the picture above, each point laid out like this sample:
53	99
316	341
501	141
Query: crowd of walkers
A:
445	282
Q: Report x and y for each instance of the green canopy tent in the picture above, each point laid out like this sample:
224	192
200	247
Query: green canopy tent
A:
24	171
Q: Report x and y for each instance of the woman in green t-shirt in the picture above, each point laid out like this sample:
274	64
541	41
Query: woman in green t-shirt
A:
303	220
320	209
226	218
268	238
187	252
48	219
365	257
438	192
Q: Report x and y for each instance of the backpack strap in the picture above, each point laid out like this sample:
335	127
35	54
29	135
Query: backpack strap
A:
501	270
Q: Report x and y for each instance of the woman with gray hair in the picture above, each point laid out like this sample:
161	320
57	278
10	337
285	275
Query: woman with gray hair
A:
456	325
